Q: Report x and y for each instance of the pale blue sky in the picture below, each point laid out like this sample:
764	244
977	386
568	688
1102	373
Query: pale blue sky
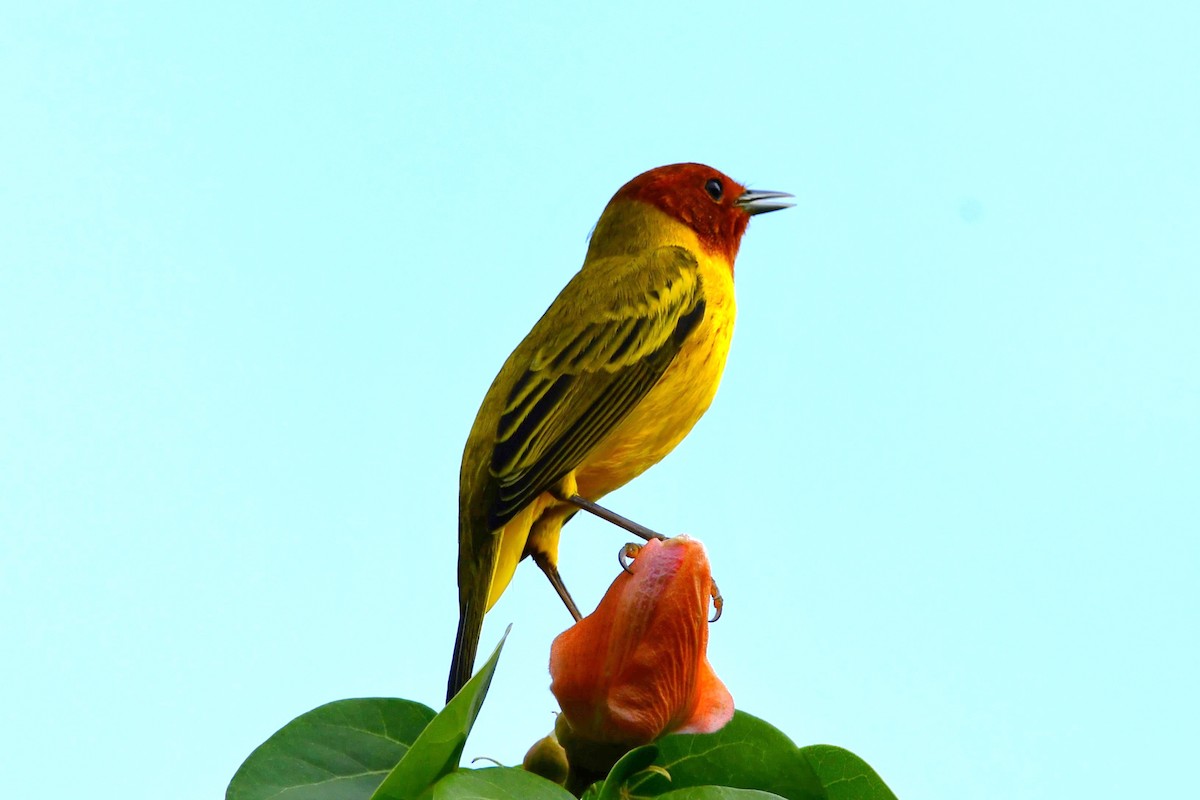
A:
259	264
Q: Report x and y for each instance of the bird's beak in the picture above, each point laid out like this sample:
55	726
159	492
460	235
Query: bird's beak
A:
754	201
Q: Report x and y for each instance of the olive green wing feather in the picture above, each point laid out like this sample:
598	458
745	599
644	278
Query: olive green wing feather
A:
605	342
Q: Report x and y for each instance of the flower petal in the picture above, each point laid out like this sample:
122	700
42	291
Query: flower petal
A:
713	707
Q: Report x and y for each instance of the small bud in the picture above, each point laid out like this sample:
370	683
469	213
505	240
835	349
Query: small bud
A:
547	759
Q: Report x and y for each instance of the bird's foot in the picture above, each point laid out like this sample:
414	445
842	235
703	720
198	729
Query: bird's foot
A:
718	601
627	552
631	550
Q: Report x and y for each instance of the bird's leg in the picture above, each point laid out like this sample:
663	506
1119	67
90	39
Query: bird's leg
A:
613	517
543	562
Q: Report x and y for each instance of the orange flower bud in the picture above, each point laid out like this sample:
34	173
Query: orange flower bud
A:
636	669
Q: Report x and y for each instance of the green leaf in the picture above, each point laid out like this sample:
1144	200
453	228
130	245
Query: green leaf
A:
844	775
717	793
438	749
622	772
746	754
495	783
340	751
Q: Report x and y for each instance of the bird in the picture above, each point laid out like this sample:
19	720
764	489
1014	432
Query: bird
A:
610	379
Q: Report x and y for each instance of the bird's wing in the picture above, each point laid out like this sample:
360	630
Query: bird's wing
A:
607	340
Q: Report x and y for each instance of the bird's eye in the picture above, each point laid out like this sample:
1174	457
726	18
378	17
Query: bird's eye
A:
714	189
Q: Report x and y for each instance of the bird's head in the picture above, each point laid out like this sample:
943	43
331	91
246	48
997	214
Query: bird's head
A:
716	207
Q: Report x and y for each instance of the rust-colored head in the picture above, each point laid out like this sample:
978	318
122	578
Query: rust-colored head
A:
708	201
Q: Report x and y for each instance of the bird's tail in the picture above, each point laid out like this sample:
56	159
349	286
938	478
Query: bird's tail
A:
470	623
476	562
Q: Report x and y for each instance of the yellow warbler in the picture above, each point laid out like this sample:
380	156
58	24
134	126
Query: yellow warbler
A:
616	372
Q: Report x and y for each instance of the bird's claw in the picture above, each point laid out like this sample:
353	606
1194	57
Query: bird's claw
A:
627	552
718	602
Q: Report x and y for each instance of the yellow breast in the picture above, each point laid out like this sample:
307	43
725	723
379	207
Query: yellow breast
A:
667	413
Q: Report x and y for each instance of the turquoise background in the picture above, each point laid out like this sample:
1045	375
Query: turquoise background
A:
259	263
